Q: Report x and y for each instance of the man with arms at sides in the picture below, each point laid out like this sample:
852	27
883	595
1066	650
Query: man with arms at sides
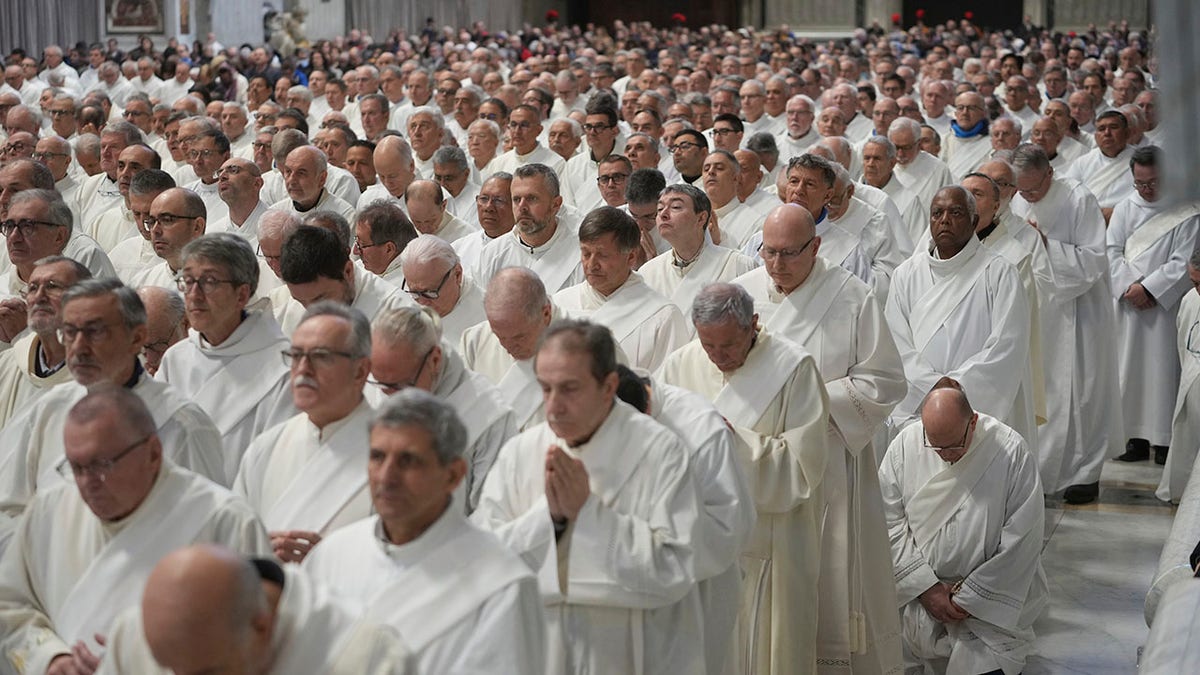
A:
408	351
461	600
769	390
524	127
968	144
1083	397
684	219
1102	169
381	232
239	183
965	518
599	480
1184	441
1148	249
879	162
641	202
229	362
86	544
644	323
493	213
434	278
452	171
825	309
919	172
959	310
116	224
208	609
37	360
426	204
540	239
304	476
882	240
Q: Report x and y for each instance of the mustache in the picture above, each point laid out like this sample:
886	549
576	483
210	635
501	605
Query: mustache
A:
305	381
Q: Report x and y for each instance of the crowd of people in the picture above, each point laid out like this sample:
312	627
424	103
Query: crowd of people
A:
576	350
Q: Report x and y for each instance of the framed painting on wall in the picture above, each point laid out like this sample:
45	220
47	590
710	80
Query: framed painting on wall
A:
133	16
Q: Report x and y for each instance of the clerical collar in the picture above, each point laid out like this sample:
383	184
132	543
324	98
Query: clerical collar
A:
301	209
689	179
684	264
983	234
269	570
980	128
533	250
137	374
41	368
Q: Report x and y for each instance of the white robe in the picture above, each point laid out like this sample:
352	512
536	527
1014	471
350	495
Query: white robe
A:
298	477
978	522
924	176
883	241
613	582
241	383
777	405
1083	399
965	318
460	600
510	161
1185	422
1108	179
681	284
132	256
112	227
913	211
738	223
215	208
248	230
794	147
467	312
340	183
1154	252
67	574
964	155
19	382
372	295
469	249
327	202
646	325
313	632
556	261
96	195
579	186
839	321
452	228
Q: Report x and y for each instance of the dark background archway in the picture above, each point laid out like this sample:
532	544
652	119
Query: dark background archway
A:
996	14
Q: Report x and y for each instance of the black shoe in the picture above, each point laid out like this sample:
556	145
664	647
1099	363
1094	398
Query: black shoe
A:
1136	450
1082	494
1160	454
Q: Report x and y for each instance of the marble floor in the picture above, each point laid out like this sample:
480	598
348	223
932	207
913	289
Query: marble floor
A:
1099	561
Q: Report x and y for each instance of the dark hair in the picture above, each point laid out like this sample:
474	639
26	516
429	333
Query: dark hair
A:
388	223
732	119
644	186
610	220
310	253
577	335
294	114
1147	155
631	388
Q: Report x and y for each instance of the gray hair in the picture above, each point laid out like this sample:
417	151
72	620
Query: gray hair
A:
720	302
548	176
277	221
59	213
133	312
301	91
489	125
1029	157
126	130
434	114
359	344
104	399
884	142
576	129
229	251
415	327
416	407
285	142
77	268
1016	124
905	124
331	220
451	154
1194	261
173	304
428	248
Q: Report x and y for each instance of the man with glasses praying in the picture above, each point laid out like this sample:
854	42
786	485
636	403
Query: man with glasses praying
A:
955	486
524	126
433	277
166	324
83	552
305	476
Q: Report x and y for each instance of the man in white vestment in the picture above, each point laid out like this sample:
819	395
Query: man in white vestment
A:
135	254
644	323
177	216
1185	430
461	600
87	543
966	520
968	144
37	361
453	172
494	214
524	127
837	318
811	183
99	193
879	162
207	153
768	389
580	186
737	221
800	133
207	609
957	309
599	482
1103	170
407	350
1083	399
427	204
381	232
304	476
104	330
433	277
36	225
882	240
304	173
116	224
684	217
1148	249
540	240
229	364
919	171
239	183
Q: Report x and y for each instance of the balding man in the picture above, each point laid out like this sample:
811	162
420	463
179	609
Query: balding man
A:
381	232
879	158
845	98
340	182
116	224
56	154
239	185
204	598
959	310
967	146
166	324
176	217
919	171
837	318
433	276
884	242
393	160
83	552
960	490
305	172
426	204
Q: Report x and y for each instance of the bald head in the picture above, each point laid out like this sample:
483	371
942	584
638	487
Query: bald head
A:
945	413
518	310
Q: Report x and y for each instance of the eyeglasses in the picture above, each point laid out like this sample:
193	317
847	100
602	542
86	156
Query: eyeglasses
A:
14	147
158	348
961	445
360	246
489	116
683	146
1145	184
50	288
767	253
91	333
45	156
609	178
165	219
259	252
967	108
392	387
25	225
135	113
61	113
593	128
428	295
100	468
520	125
319	357
208	285
201	154
722	132
261	146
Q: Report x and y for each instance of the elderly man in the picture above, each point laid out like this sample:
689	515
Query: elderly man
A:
56	154
524	127
426	205
433	276
812	181
835	316
461	600
166	324
966	521
82	553
967	146
1103	170
99	193
800	132
1047	134
883	241
564	137
36	361
1083	397
381	233
540	239
1184	441
1148	249
769	390
539	500
959	310
879	157
38	225
116	224
425	128
452	171
737	221
393	161
206	608
239	184
644	323
304	475
408	351
1005	134
229	362
304	174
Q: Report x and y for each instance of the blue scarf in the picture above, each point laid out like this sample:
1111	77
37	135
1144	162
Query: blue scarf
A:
824	212
981	128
